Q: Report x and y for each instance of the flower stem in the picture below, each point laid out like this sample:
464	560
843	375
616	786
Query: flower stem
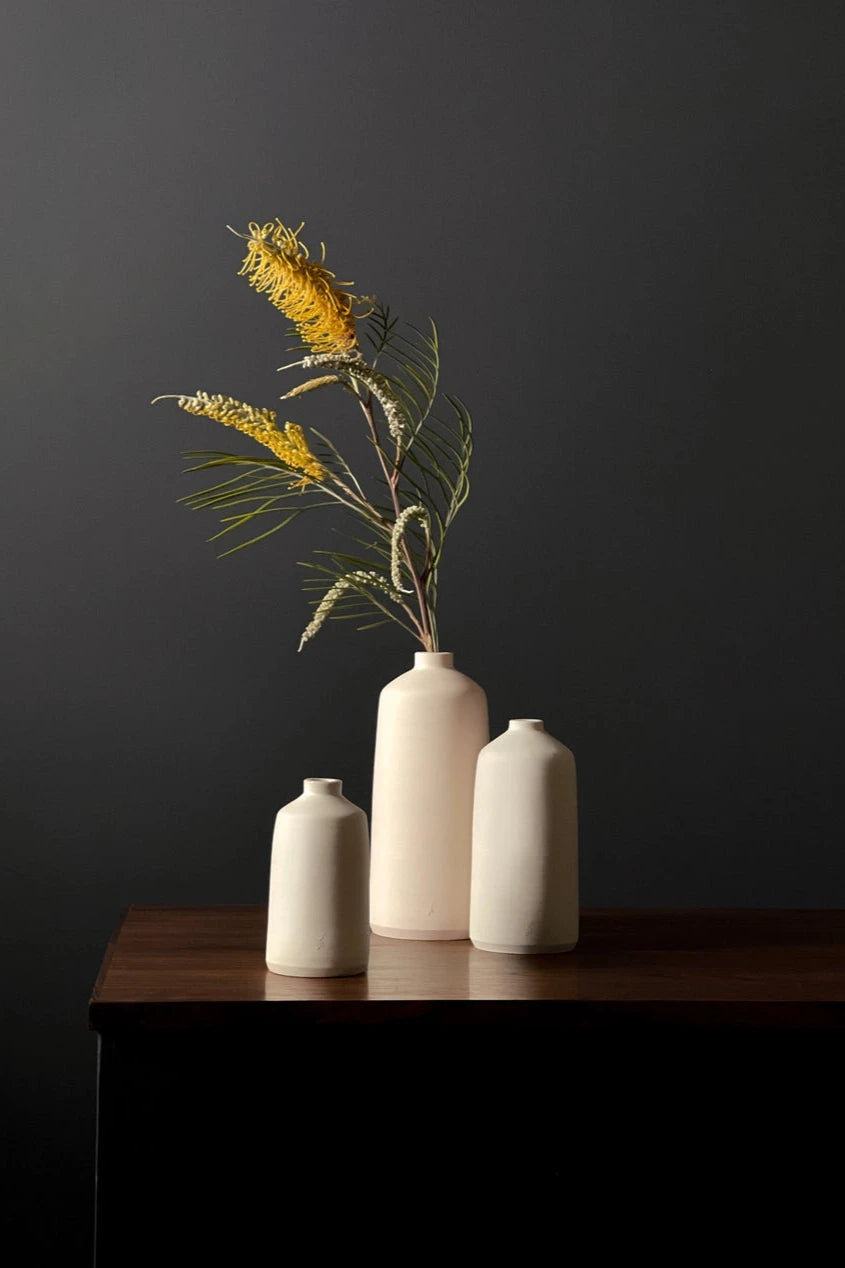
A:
426	636
377	519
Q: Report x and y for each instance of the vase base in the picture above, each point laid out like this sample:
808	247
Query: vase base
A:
502	949
422	935
292	970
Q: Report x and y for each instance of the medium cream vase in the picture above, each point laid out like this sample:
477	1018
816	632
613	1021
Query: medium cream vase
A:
525	844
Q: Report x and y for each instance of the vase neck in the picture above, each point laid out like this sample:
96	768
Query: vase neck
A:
525	724
434	660
323	787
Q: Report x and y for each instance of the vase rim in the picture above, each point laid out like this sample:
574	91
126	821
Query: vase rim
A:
434	660
323	787
526	724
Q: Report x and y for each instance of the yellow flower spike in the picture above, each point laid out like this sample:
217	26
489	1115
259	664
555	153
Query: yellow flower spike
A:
301	456
278	265
289	445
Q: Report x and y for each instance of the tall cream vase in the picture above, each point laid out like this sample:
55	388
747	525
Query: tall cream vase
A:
525	844
432	724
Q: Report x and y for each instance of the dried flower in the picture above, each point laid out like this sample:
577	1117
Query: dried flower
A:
289	445
397	537
377	383
352	580
423	479
278	265
311	386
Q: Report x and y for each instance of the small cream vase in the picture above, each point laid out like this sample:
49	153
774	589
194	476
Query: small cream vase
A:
318	919
432	723
525	844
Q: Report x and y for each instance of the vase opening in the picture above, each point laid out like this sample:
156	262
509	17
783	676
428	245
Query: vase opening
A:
324	787
434	660
526	724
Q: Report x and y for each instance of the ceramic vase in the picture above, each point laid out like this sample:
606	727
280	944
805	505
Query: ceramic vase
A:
432	723
318	918
525	844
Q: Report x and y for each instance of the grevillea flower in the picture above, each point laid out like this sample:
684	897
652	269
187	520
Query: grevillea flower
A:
278	265
397	537
360	579
379	385
289	445
311	386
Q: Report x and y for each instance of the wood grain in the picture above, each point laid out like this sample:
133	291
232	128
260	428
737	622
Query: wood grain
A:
188	966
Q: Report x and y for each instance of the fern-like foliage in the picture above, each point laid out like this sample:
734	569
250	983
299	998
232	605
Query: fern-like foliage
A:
393	525
263	488
409	358
434	459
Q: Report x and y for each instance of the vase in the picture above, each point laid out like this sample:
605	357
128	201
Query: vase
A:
318	918
525	844
432	723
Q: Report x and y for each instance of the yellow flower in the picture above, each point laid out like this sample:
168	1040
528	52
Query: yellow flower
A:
289	445
299	455
277	264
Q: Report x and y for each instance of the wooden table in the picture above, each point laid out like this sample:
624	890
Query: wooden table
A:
439	1053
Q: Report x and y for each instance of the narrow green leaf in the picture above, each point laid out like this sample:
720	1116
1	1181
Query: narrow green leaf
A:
259	538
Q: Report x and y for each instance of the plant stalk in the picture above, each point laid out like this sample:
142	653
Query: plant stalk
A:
392	478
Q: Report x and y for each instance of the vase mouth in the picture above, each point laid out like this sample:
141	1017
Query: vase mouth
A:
323	787
434	660
526	724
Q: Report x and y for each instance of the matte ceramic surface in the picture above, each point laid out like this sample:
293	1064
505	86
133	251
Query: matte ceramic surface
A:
318	917
432	723
524	897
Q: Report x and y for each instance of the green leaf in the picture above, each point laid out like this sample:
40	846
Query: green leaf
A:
414	361
259	538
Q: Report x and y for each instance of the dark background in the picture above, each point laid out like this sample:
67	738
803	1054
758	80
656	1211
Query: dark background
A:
627	219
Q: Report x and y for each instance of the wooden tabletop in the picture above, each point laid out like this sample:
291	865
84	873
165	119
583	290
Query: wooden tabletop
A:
198	966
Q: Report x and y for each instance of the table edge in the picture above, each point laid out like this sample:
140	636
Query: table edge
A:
566	1014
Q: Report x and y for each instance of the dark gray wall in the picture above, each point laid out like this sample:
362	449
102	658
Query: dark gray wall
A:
626	217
